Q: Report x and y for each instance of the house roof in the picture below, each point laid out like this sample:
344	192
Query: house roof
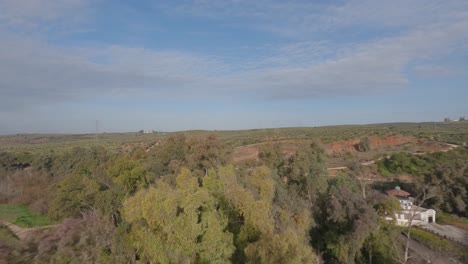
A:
397	192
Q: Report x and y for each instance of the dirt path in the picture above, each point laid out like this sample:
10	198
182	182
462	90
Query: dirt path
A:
364	163
451	232
154	145
427	254
23	233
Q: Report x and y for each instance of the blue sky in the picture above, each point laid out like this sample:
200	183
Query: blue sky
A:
206	64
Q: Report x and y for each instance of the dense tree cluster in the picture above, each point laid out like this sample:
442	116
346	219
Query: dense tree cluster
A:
446	170
181	201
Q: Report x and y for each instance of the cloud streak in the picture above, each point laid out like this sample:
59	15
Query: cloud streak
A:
40	17
35	72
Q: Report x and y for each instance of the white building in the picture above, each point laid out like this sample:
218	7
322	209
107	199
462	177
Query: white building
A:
418	214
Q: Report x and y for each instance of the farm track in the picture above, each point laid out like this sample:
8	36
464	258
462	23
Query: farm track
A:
428	255
24	233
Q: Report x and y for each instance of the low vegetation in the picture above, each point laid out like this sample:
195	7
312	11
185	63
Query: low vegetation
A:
453	132
20	215
437	243
450	219
446	170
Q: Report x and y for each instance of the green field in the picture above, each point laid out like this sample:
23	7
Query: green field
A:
449	219
21	215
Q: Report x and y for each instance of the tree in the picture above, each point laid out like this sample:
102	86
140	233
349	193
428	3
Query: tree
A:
306	171
263	237
363	145
445	169
426	192
271	155
344	221
128	173
178	224
168	157
221	219
88	239
72	196
363	175
380	245
205	153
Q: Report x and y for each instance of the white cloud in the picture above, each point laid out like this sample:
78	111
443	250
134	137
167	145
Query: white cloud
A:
42	15
365	68
300	18
429	70
35	73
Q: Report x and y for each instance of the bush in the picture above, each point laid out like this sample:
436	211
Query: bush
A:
363	145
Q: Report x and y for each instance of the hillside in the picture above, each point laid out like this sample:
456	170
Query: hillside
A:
455	132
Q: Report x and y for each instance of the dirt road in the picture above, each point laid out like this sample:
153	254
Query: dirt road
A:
451	232
428	255
23	233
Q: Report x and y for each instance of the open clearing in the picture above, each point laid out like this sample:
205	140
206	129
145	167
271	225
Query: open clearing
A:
21	215
342	153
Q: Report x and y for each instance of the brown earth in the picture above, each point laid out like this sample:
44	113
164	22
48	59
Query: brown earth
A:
335	171
420	253
375	143
290	146
338	150
250	152
24	233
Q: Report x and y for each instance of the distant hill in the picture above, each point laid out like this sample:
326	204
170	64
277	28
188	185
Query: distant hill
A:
449	132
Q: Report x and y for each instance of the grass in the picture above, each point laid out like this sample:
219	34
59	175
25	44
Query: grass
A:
8	239
446	219
435	242
20	215
383	170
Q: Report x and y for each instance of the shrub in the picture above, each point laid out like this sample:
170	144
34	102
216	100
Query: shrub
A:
363	145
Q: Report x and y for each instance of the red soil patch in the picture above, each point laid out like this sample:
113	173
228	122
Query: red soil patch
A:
405	178
335	171
375	143
288	147
249	152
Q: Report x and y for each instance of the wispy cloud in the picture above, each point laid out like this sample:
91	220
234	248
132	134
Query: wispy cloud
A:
430	70
41	73
36	16
298	18
307	64
35	73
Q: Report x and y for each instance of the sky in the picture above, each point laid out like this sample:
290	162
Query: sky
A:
231	64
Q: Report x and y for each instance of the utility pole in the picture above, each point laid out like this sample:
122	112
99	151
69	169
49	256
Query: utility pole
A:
97	129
